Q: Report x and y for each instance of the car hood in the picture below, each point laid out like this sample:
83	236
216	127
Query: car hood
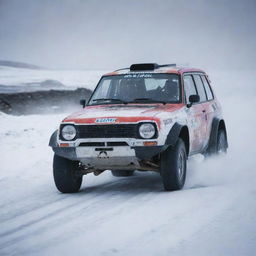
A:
122	113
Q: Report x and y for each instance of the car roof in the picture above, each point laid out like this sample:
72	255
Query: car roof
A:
154	68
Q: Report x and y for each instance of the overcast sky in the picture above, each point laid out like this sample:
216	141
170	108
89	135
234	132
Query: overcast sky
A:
115	33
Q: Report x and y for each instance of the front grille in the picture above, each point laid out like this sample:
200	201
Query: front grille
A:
92	144
107	131
117	144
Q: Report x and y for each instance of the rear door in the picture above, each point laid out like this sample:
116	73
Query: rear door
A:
204	109
210	106
195	116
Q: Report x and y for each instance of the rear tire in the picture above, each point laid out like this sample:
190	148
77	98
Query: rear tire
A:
122	173
64	175
173	166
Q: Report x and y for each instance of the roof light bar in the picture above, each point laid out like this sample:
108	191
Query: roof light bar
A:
143	66
148	66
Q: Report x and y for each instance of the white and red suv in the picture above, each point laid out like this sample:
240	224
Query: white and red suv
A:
147	117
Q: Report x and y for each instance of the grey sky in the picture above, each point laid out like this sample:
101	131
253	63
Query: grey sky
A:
115	33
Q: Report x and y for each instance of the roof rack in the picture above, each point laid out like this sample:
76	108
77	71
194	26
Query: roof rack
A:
121	69
167	65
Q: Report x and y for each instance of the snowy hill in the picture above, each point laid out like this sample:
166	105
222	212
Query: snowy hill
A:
10	76
16	64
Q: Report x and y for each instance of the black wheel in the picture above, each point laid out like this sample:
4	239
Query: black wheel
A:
222	144
64	175
122	173
173	166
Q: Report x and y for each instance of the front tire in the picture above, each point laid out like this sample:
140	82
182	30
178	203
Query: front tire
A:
122	173
173	166
64	175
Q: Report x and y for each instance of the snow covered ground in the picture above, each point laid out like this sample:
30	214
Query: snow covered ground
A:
215	214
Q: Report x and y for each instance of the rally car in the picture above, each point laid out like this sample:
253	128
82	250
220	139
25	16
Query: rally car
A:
148	117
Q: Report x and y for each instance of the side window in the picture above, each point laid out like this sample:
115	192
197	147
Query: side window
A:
200	88
207	88
189	87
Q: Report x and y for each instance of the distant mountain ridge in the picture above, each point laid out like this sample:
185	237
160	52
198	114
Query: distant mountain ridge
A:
16	64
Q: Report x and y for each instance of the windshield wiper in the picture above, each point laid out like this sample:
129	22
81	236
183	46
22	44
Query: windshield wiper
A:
137	100
109	99
147	100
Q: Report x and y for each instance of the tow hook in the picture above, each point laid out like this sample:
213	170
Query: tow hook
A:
98	172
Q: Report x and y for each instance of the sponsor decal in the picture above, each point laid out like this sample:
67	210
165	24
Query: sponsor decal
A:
105	120
138	75
167	121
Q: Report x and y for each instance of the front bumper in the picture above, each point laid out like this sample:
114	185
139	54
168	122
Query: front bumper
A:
104	157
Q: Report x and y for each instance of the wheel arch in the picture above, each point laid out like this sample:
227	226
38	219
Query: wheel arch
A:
65	152
176	132
184	135
217	124
53	139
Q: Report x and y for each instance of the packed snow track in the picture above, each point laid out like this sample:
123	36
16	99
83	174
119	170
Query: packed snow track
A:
215	214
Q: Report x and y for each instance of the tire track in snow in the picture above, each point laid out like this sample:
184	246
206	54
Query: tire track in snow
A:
156	216
10	237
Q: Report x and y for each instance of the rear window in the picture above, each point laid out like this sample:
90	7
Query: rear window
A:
207	88
200	88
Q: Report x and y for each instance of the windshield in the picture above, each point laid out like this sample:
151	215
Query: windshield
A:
137	87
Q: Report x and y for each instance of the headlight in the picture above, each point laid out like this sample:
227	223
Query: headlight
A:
68	132
147	131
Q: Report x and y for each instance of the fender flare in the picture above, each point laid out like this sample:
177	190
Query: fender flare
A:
69	152
212	144
53	140
173	134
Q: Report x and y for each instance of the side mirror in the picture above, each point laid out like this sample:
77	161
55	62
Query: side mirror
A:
193	99
83	102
